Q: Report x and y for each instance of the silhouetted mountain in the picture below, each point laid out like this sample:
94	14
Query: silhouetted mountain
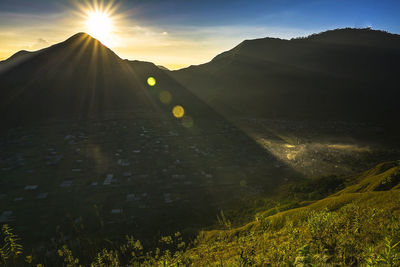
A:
80	77
162	67
15	59
345	74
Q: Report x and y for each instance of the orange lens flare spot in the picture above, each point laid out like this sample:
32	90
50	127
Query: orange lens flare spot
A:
151	81
178	112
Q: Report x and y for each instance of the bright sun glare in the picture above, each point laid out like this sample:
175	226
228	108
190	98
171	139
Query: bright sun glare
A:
100	19
99	25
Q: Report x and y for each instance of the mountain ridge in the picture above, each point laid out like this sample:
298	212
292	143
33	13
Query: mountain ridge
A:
297	78
81	77
303	78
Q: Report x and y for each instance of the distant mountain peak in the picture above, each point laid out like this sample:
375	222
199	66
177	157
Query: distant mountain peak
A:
82	37
85	42
356	36
349	30
18	54
347	37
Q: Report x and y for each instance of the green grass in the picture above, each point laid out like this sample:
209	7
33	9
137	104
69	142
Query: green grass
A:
352	227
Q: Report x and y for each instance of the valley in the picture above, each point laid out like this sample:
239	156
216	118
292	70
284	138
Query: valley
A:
135	174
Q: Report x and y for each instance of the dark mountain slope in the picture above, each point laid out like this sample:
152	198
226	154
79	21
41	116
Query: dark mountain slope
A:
15	60
81	78
347	74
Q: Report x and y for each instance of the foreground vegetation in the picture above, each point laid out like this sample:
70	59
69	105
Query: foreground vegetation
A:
356	226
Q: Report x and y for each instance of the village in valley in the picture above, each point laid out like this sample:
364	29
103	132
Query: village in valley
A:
136	175
133	173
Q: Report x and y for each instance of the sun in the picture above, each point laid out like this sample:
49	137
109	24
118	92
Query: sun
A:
99	25
102	19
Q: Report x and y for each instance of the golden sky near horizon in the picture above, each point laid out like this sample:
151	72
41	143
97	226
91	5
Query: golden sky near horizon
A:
129	42
173	47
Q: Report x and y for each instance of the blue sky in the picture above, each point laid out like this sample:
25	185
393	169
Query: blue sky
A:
184	32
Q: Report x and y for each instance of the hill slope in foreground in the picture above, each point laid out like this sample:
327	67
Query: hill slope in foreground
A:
357	225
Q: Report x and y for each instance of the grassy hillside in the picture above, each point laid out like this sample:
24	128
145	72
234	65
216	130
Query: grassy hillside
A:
358	225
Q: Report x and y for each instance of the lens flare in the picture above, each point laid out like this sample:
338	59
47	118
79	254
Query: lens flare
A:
187	122
165	97
151	81
178	112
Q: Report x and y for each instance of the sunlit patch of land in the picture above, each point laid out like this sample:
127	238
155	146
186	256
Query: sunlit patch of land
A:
316	152
350	147
316	159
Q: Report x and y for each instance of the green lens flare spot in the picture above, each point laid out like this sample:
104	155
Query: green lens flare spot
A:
187	122
165	97
151	81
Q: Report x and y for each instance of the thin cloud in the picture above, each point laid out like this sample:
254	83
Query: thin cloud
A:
42	41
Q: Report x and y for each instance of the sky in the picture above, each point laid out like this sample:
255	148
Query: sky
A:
179	33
